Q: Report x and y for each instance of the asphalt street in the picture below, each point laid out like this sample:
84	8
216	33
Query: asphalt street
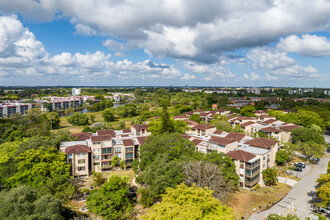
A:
301	197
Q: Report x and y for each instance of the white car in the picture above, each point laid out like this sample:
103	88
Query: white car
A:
326	210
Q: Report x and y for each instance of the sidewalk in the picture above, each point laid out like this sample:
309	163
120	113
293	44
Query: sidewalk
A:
287	181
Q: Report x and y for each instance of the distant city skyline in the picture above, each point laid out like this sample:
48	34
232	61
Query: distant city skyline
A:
163	43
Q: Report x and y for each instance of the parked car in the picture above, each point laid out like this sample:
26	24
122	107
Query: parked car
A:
326	210
298	168
300	164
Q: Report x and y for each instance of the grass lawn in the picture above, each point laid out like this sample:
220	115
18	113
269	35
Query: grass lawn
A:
246	202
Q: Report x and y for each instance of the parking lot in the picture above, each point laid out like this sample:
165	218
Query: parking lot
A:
304	172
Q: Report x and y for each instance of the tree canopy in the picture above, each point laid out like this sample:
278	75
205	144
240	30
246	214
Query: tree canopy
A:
270	176
111	200
185	202
108	115
26	203
78	119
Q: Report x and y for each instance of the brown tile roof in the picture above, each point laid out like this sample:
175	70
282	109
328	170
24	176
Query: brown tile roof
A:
141	140
203	127
218	132
124	135
247	124
186	136
270	121
77	149
235	136
289	127
221	140
266	116
82	136
241	155
204	114
261	142
231	117
191	122
180	116
140	127
197	141
128	142
100	138
270	129
189	113
245	118
126	130
107	132
261	111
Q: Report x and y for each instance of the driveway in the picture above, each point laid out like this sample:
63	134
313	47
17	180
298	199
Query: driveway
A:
301	197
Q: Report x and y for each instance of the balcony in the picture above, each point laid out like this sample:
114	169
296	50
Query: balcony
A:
252	174
251	183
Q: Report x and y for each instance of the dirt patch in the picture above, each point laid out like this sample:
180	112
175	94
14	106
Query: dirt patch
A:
246	202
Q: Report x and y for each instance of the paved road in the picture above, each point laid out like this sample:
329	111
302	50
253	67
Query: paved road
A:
301	196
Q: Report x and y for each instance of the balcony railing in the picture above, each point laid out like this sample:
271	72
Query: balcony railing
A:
249	166
252	174
251	183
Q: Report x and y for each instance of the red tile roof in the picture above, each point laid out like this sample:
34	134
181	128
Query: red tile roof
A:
140	127
221	140
128	142
261	142
241	155
77	149
218	132
82	136
126	130
180	117
100	138
203	127
106	132
270	121
141	140
270	129
191	122
235	136
289	127
243	125
244	118
197	141
266	116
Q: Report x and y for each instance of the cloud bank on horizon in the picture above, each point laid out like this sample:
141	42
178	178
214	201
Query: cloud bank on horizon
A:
211	43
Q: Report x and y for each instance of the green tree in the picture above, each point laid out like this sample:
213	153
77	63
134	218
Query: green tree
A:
78	119
99	97
189	203
115	160
111	200
44	169
323	191
24	202
282	157
195	117
108	115
97	178
147	197
270	176
222	125
310	149
305	135
226	166
54	119
248	111
92	118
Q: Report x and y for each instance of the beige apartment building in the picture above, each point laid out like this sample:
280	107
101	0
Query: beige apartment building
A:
78	158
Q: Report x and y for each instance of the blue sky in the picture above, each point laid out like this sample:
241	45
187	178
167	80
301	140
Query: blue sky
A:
165	42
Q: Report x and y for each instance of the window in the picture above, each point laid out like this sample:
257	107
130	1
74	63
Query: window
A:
96	164
137	133
96	157
264	158
81	168
129	156
129	149
117	149
106	150
81	154
96	150
118	155
96	143
81	161
70	156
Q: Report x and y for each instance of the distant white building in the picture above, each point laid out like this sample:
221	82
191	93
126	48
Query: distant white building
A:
116	98
76	91
326	92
